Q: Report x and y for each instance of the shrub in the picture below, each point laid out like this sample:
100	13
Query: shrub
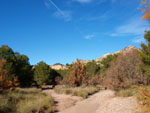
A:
92	68
83	92
25	101
78	75
144	99
124	71
106	62
128	92
68	91
96	80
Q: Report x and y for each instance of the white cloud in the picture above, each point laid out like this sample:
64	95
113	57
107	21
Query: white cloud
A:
134	27
59	13
138	39
103	17
83	1
67	15
89	36
95	1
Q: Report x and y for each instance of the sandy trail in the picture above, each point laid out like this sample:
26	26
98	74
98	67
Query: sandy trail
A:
63	101
101	102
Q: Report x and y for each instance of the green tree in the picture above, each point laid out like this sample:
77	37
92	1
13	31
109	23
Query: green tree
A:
92	68
8	54
17	65
145	47
106	62
42	73
145	55
24	70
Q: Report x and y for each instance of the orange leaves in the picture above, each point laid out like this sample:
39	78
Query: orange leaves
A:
4	83
146	11
16	82
78	75
146	14
3	74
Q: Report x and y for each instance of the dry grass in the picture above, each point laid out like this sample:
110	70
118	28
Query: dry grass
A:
142	93
25	101
143	99
83	92
127	92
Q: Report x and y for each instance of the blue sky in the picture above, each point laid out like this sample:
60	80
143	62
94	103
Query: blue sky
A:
64	30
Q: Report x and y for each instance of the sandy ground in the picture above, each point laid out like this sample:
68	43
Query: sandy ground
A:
63	101
101	102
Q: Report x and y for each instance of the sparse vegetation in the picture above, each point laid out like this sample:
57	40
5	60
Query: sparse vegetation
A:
142	93
83	92
132	91
26	101
143	98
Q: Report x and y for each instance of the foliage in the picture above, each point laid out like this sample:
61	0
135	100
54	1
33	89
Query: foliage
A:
54	76
106	62
58	64
9	55
42	73
63	72
145	56
92	68
17	65
124	71
5	83
78	75
24	70
146	11
96	80
26	101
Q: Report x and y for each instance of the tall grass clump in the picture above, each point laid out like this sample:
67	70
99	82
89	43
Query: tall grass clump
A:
26	101
132	91
83	92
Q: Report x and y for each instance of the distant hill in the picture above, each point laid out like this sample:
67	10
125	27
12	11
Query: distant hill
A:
59	66
124	51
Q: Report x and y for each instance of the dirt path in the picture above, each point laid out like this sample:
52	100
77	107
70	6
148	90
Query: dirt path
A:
63	101
101	102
